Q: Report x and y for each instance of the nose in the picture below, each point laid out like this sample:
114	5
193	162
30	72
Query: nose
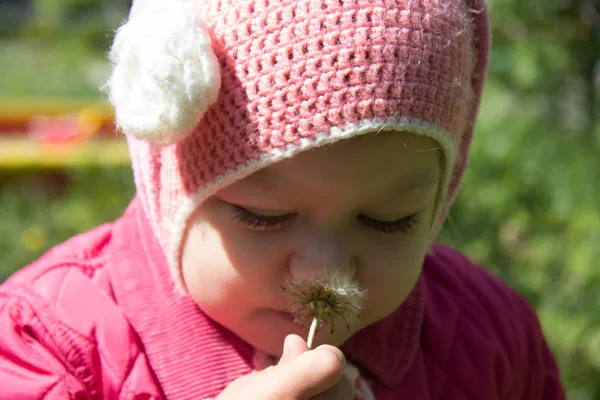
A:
320	253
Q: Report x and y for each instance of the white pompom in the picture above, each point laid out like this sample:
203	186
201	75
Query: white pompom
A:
165	73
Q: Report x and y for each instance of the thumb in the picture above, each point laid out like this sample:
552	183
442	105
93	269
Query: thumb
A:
293	346
309	374
303	377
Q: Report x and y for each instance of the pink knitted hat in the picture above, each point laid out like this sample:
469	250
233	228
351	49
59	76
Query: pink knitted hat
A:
208	92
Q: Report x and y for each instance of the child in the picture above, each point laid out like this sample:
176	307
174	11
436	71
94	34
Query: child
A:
294	159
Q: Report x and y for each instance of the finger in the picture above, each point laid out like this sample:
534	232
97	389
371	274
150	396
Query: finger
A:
293	346
309	374
343	390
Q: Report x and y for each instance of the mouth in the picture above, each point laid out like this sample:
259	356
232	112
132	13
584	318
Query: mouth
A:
288	316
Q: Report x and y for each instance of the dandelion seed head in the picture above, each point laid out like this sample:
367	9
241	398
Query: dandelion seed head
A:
326	298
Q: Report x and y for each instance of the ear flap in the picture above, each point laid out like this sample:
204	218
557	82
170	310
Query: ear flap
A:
165	73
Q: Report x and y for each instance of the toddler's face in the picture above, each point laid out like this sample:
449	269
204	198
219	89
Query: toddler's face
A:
363	205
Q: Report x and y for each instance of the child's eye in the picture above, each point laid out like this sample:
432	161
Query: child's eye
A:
256	221
404	225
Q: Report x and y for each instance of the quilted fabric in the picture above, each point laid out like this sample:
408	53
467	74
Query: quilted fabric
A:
95	318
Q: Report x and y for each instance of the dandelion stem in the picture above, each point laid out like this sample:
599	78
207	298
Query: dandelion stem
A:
311	333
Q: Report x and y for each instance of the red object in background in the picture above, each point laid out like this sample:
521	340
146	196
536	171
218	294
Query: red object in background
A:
54	120
53	129
65	128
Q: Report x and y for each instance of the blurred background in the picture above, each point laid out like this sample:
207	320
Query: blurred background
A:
529	208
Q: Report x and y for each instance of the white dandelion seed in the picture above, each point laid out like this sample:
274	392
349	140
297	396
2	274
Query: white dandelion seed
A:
324	300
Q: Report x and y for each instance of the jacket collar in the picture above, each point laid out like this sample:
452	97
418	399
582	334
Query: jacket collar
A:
193	356
385	350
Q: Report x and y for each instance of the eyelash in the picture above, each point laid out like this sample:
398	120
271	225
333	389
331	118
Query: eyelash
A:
403	225
265	222
261	222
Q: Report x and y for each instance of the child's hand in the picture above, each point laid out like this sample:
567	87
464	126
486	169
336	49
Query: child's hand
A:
301	374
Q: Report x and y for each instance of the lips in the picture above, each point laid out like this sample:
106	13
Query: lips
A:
287	318
285	314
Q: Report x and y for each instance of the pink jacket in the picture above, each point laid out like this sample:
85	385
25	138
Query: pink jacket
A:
96	318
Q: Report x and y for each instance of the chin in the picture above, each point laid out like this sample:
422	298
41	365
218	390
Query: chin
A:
273	346
271	342
337	338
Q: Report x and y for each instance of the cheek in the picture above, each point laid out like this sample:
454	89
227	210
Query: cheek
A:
208	275
389	274
224	266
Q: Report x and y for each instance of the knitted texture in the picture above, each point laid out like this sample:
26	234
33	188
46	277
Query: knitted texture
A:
297	74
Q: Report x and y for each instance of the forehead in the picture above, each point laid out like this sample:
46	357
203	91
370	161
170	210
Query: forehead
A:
371	162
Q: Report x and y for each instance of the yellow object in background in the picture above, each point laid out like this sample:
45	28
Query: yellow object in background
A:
16	153
89	121
34	239
21	109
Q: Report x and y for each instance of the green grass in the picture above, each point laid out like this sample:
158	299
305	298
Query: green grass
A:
41	208
35	67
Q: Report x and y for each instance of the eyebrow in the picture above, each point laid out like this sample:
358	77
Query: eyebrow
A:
417	181
264	179
402	187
